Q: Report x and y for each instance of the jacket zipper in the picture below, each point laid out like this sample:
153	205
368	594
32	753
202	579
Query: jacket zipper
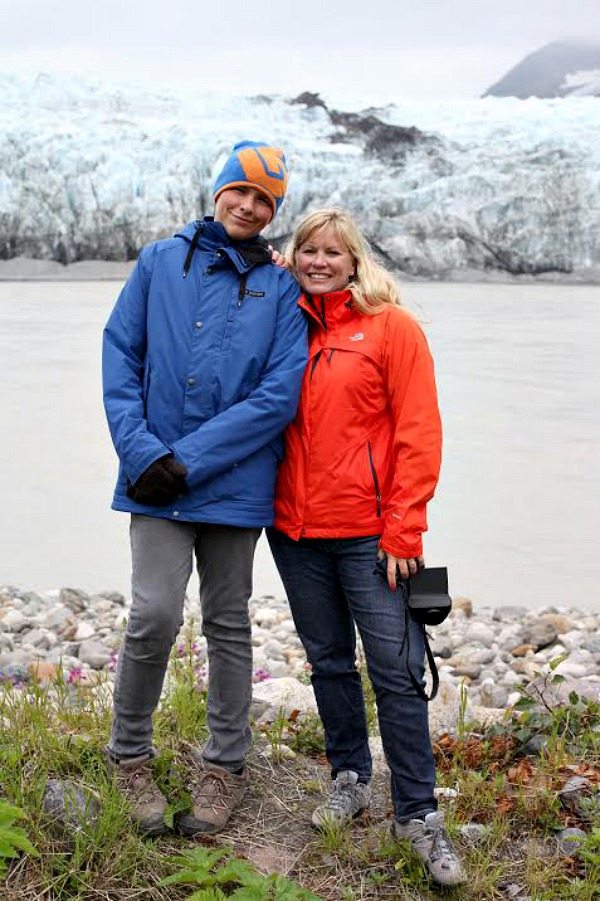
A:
375	479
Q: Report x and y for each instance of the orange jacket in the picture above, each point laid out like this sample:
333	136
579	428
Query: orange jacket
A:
362	456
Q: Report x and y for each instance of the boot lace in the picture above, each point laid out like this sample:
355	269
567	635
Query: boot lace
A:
212	790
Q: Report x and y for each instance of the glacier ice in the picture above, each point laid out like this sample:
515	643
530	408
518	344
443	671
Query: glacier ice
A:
94	171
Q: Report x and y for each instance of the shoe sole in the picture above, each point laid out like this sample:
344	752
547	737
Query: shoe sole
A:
198	828
339	823
153	831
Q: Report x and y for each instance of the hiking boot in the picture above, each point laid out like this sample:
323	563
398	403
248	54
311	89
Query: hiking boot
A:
216	794
348	798
135	782
432	843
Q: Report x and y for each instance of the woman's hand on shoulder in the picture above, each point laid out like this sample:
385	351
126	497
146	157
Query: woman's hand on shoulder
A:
402	566
278	258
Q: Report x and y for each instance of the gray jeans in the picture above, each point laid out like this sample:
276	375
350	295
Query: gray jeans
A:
162	553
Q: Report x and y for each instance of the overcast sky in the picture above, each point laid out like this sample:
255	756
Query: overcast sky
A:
377	50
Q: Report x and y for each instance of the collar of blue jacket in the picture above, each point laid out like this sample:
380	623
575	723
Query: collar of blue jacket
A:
208	235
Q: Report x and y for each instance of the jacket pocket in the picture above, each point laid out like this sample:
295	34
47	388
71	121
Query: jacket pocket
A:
375	479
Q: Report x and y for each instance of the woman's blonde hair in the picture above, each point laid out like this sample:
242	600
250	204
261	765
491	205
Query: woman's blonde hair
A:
372	285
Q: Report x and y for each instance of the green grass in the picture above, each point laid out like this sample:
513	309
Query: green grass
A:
60	730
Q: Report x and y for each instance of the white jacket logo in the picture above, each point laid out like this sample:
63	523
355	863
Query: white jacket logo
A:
359	336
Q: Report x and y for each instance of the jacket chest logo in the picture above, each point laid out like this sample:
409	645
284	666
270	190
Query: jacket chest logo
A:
359	336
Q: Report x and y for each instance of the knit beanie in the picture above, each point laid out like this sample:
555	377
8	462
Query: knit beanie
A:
258	165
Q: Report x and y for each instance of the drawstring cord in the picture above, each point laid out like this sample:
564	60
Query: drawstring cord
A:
190	253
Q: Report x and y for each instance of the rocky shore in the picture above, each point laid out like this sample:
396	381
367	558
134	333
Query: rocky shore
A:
491	652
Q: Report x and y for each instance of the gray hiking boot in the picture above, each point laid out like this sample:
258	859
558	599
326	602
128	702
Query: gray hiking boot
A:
135	781
432	843
216	794
348	798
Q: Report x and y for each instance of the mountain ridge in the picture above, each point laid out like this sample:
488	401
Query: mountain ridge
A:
558	69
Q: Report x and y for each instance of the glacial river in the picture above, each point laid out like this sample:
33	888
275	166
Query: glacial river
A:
517	514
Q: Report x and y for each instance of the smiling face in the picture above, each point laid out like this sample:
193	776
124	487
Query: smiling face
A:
324	263
243	211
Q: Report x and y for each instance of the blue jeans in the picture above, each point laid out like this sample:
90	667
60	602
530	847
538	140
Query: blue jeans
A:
331	586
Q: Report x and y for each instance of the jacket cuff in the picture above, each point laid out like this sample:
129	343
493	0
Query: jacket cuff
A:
404	547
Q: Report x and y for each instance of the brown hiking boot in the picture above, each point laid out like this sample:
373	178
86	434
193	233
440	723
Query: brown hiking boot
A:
135	781
216	794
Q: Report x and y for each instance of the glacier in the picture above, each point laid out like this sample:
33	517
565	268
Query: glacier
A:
491	187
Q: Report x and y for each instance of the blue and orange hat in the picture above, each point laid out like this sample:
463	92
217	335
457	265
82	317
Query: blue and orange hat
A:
258	165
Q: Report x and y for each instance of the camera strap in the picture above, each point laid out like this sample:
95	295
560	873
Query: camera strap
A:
435	678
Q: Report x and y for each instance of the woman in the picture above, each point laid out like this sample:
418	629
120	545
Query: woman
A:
361	461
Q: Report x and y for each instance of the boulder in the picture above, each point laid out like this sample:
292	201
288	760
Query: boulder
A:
71	807
95	654
462	605
75	599
13	620
510	613
557	694
569	841
540	634
286	695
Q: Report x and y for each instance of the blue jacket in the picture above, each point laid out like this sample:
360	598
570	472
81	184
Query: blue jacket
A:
194	367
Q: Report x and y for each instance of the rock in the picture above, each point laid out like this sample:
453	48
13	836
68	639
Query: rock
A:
84	631
510	613
285	694
13	620
445	792
485	716
277	668
509	635
60	619
462	605
493	695
479	633
558	621
574	791
71	807
94	653
75	599
535	746
540	634
266	616
42	671
482	656
466	670
443	710
40	638
591	643
63	660
273	649
5	642
557	694
574	669
522	650
571	640
569	841
444	651
115	597
280	752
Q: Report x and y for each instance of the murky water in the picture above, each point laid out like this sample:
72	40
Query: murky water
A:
516	517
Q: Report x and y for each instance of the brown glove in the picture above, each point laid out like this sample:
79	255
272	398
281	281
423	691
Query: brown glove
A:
161	484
